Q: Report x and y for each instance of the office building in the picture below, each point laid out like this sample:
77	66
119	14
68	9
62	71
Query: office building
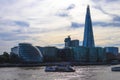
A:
80	54
88	31
102	57
29	53
50	53
15	50
67	42
74	43
113	50
71	43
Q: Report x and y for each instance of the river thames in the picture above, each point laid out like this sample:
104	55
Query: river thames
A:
81	73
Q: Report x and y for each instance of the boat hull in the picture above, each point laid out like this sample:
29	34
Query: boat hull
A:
115	69
59	69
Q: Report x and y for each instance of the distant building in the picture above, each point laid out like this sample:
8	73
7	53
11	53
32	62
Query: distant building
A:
14	54
74	43
66	54
67	42
113	50
93	54
102	56
88	31
15	50
81	54
50	54
41	49
85	54
71	43
29	53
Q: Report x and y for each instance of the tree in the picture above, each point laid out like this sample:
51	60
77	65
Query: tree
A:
4	58
14	58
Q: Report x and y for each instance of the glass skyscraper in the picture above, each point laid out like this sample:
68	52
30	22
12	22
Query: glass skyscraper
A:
88	32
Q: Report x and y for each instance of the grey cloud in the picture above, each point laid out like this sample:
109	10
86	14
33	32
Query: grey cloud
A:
103	11
117	44
22	23
70	7
102	24
15	38
12	36
6	22
100	8
95	0
116	18
111	0
104	0
7	2
62	14
76	25
12	30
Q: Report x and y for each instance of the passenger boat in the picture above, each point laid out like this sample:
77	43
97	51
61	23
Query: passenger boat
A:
59	68
115	68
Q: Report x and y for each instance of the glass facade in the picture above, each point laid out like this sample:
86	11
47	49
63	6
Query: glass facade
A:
88	31
71	43
50	54
113	50
15	50
29	53
81	54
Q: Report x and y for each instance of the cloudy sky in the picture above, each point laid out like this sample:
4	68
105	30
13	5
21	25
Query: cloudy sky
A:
48	22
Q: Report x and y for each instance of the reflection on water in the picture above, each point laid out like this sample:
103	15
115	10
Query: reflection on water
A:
37	73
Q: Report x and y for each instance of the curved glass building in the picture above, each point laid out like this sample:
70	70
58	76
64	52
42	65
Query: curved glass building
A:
29	53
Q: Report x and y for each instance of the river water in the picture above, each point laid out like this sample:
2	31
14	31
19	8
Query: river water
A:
37	73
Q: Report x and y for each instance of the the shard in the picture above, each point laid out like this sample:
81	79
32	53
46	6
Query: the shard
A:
88	31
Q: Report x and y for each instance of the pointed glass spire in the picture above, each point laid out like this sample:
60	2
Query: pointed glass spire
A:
88	32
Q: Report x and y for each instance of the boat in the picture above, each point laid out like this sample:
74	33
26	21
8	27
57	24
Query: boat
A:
59	68
115	68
